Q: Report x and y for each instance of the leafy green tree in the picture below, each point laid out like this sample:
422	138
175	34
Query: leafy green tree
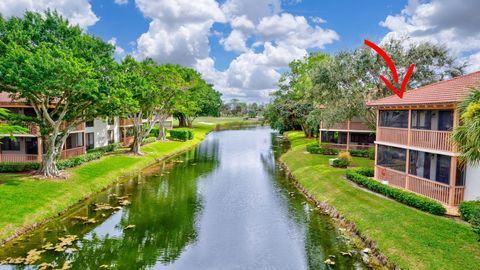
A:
171	84
59	70
467	135
6	128
346	83
293	106
200	99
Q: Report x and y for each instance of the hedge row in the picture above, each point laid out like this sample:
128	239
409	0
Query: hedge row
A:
314	148
181	134
469	209
360	176
149	140
105	149
10	167
470	212
76	161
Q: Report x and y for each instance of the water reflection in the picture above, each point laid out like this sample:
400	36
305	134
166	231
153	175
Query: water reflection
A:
224	205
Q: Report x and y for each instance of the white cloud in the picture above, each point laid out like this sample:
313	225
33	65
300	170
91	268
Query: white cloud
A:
76	11
121	2
264	39
178	32
453	24
119	51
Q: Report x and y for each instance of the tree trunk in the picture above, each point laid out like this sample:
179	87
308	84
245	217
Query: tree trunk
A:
48	167
161	129
189	122
182	121
136	147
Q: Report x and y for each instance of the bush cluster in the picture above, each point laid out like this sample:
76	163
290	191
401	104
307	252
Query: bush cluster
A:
75	161
8	167
470	212
105	149
181	134
149	140
360	176
368	153
325	149
343	160
314	148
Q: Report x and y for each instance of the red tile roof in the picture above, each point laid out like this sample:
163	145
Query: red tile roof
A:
448	91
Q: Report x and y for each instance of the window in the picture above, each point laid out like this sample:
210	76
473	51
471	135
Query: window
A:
398	119
445	120
111	121
392	157
430	166
89	123
432	119
74	140
8	144
111	138
362	138
422	119
90	140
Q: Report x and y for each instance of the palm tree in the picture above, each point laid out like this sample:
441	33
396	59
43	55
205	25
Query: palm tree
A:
467	136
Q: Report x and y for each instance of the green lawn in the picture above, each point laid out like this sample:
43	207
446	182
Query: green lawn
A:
410	238
25	201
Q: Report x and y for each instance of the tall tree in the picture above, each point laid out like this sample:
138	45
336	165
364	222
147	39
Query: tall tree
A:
200	99
62	72
346	83
292	106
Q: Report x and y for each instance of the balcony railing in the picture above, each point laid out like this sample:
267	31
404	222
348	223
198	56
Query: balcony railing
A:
431	139
392	135
79	127
394	177
127	141
18	158
73	152
429	188
358	126
426	187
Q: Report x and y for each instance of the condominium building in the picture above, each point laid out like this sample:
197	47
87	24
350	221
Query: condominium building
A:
28	147
351	134
414	150
102	132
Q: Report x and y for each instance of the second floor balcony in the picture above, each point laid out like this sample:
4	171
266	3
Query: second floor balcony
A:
426	129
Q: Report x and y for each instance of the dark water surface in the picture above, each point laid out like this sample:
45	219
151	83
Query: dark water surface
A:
224	205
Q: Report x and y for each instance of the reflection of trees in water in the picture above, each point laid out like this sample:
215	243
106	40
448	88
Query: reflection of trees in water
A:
163	209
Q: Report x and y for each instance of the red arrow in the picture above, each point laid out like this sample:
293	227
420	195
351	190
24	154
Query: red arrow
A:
391	65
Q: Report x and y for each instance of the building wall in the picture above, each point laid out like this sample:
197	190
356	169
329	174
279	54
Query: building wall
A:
100	129
472	183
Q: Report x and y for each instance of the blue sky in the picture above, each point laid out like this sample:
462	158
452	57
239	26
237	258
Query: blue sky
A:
243	46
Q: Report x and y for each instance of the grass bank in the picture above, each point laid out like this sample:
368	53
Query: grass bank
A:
26	202
411	239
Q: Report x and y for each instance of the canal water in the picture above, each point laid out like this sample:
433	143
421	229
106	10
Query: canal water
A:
224	205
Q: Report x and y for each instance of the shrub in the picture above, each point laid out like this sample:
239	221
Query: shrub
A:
154	132
76	161
358	153
149	140
475	221
343	160
468	209
405	197
314	148
105	149
371	153
181	134
7	167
